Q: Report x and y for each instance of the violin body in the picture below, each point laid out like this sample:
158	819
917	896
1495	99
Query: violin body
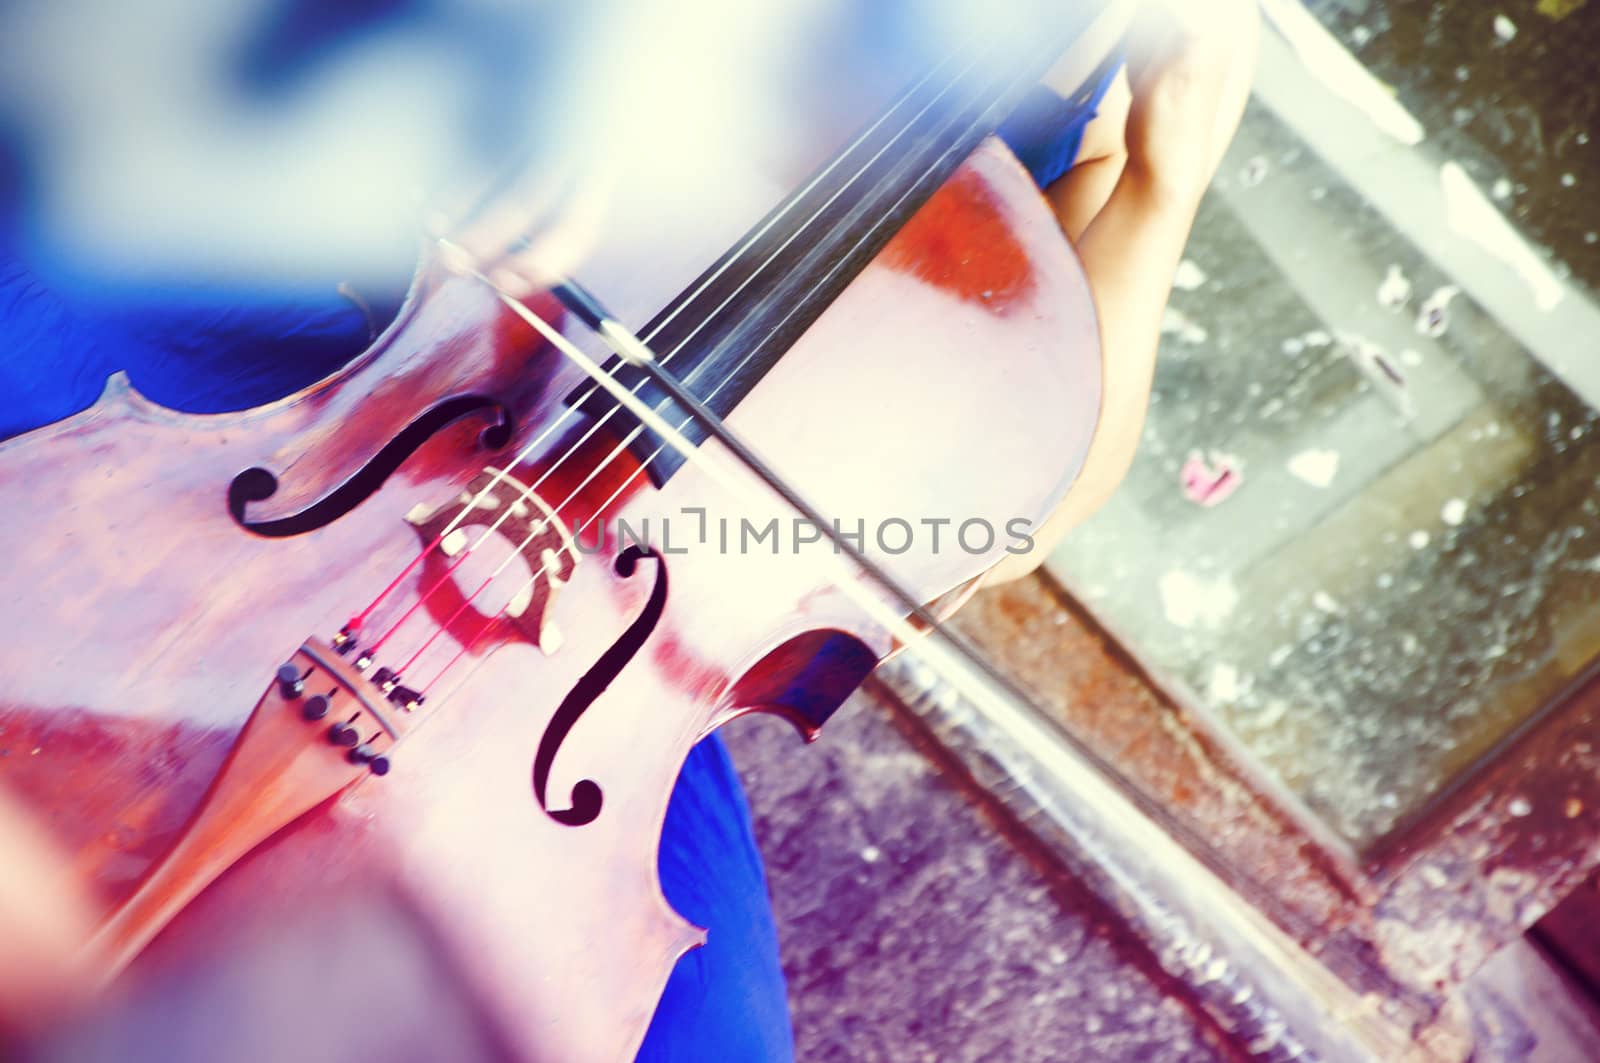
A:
155	587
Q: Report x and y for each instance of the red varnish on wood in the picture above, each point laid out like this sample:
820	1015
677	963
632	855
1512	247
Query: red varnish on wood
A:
961	242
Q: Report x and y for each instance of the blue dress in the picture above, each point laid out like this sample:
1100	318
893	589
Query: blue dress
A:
210	350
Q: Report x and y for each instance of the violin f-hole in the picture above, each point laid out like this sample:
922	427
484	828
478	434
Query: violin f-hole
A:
258	484
587	797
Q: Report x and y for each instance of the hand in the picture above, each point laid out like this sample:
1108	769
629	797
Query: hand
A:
1190	65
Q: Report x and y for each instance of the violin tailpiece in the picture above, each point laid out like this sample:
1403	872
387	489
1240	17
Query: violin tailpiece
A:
319	727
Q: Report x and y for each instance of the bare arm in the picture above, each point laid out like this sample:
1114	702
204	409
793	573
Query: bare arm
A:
1189	76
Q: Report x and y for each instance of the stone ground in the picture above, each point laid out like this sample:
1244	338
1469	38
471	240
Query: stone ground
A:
913	926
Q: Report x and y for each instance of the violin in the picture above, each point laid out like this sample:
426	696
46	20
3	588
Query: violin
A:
445	625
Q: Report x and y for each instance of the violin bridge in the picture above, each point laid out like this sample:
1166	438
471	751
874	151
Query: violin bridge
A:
514	511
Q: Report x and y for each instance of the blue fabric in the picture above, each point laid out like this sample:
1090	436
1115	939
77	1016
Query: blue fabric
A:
724	1000
1046	131
199	350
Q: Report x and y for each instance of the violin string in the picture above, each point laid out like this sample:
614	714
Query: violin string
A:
489	621
483	629
533	535
356	622
681	345
620	449
666	357
600	511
